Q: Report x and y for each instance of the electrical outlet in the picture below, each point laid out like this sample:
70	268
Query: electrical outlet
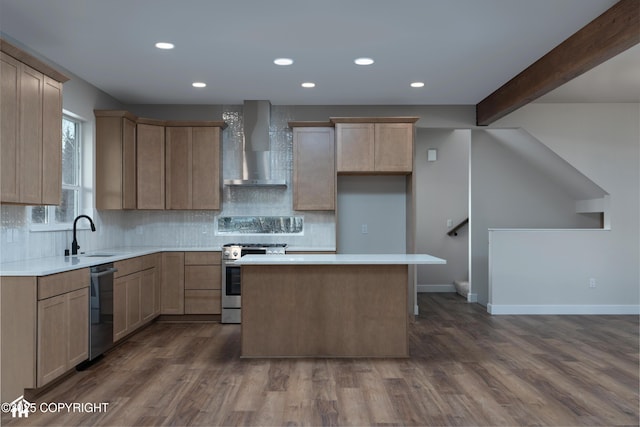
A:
449	223
592	283
365	229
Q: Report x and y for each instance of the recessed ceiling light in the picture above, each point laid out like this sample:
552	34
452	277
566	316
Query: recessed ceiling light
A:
308	84
164	45
417	84
283	61
363	61
198	84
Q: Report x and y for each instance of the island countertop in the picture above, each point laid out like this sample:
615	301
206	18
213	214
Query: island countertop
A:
340	259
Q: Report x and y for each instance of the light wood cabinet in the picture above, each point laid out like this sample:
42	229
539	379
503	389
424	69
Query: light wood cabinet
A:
78	339
30	135
374	145
126	305
314	170
31	129
156	164
52	338
18	326
135	290
63	324
202	283
116	182
10	70
148	291
355	147
150	151
393	147
52	142
192	167
172	290
119	309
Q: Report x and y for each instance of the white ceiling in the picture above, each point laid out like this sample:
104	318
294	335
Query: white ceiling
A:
462	49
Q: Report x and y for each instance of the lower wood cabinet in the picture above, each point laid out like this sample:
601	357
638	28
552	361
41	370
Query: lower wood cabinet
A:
191	283
135	294
202	279
63	324
172	289
18	326
149	293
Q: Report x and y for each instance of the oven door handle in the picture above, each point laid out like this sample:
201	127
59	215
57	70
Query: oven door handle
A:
104	273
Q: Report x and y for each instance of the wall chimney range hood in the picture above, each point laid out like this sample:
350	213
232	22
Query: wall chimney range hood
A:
256	156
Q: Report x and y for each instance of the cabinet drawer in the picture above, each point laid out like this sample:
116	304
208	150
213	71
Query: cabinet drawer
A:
202	277
150	261
61	283
201	258
202	301
127	266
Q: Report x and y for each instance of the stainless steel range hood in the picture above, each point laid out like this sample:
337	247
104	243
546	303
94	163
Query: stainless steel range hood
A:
256	156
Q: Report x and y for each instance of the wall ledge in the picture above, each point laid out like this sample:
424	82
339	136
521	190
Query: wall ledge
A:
615	309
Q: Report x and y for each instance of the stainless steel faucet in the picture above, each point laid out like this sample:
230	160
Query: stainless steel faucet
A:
74	244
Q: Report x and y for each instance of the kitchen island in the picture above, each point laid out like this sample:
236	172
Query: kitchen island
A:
327	305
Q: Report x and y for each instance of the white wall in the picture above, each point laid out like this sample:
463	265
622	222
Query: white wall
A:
508	192
557	272
377	203
603	142
442	193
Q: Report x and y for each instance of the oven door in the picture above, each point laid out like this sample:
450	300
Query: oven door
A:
231	288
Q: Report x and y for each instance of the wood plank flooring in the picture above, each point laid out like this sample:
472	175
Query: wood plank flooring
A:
466	368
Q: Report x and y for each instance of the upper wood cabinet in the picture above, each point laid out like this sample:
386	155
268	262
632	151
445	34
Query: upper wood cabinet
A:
156	164
115	160
51	142
314	170
31	129
192	167
150	166
374	145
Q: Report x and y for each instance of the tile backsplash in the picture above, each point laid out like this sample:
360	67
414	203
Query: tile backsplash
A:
242	225
176	229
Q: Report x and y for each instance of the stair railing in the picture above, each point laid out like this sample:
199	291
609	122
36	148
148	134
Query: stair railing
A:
454	230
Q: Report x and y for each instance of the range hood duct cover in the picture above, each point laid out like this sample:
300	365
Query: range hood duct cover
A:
256	156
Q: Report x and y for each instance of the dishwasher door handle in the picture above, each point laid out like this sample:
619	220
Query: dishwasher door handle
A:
104	273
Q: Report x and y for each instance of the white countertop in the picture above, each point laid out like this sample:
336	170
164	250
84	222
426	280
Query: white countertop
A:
59	264
339	259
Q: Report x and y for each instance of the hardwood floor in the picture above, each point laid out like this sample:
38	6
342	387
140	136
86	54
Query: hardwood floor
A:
466	368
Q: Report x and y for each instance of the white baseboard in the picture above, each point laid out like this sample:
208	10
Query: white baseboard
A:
564	309
436	288
472	298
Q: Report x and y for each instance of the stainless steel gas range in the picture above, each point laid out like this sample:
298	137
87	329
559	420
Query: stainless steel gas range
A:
231	286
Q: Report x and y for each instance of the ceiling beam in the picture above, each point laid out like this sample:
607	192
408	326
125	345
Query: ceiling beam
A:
615	31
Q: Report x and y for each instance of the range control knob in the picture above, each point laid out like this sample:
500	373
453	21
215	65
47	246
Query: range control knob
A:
235	253
226	253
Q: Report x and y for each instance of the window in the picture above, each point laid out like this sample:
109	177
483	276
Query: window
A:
52	217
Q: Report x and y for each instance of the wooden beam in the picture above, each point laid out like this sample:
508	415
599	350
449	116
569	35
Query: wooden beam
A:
615	31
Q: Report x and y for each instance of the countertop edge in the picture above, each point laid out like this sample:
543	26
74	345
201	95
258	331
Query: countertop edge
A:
341	259
60	264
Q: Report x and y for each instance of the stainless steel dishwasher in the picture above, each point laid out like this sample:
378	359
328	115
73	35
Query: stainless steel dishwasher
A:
101	309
